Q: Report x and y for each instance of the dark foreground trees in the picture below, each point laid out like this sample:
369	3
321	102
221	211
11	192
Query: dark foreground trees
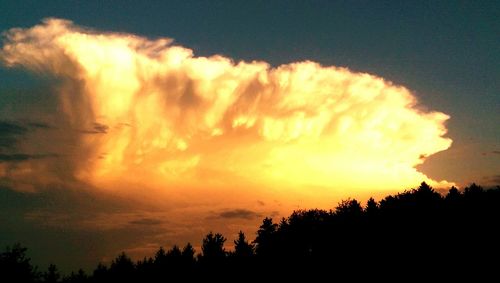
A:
418	233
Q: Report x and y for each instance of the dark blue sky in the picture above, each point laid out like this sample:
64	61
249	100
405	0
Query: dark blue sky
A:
446	52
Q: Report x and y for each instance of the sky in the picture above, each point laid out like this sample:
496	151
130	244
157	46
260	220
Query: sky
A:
126	126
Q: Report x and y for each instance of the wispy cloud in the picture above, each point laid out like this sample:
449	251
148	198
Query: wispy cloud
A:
24	157
11	128
10	132
13	131
240	213
146	221
39	125
96	129
492	180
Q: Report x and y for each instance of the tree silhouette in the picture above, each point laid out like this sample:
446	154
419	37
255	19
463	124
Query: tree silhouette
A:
265	237
174	253
187	268
188	253
122	268
16	266
101	274
453	195
371	207
52	275
78	277
160	257
241	246
213	246
349	208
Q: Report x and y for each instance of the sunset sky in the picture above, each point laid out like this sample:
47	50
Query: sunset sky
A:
126	126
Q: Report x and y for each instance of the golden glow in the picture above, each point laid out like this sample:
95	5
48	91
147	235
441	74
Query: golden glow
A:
177	121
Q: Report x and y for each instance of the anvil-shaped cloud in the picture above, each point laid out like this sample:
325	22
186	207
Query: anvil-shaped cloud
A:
150	113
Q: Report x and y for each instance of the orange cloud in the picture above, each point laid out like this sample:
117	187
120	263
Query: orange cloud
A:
152	114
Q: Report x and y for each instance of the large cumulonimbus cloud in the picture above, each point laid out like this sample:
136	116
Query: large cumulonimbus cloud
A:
150	112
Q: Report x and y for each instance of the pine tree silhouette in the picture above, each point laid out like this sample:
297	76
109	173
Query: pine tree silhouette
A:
241	246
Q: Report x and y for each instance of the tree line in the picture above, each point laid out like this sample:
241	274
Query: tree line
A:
419	232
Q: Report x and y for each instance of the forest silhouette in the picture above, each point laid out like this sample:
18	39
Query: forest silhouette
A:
416	234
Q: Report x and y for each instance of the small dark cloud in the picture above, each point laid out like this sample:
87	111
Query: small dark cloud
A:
261	203
101	128
11	128
96	129
10	132
239	213
7	141
23	157
146	221
39	125
490	152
